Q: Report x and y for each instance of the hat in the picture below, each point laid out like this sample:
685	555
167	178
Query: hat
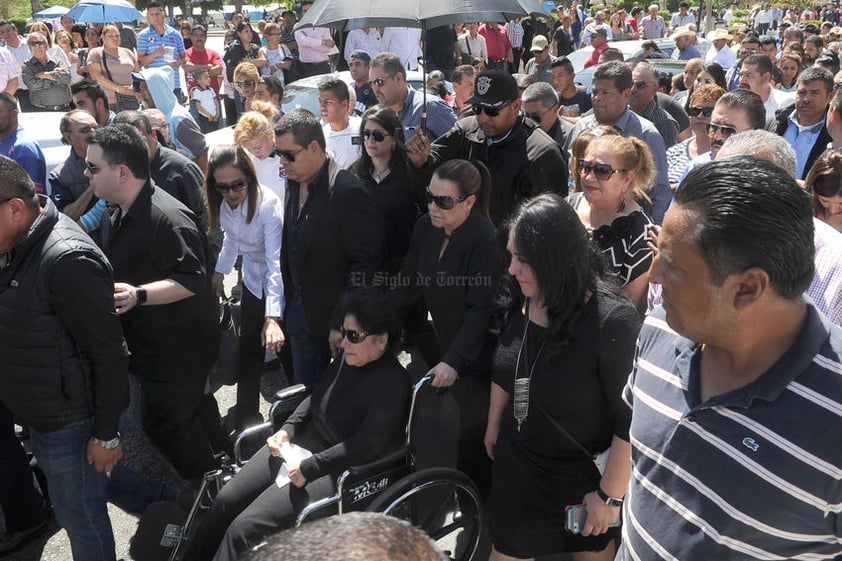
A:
362	55
494	88
539	43
683	31
138	77
717	34
600	30
285	12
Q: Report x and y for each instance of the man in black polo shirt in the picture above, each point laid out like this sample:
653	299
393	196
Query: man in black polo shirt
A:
164	297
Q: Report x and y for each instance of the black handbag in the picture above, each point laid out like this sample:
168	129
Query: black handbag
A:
224	371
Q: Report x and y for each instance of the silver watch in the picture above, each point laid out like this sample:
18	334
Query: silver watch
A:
107	444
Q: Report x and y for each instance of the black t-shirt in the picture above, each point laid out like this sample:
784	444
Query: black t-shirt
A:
439	42
581	98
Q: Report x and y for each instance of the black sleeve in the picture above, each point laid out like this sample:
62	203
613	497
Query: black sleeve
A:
362	231
617	348
387	399
192	185
548	172
407	292
180	251
299	417
82	289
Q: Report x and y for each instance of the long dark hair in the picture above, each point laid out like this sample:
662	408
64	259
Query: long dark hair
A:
389	120
551	240
471	178
230	155
824	179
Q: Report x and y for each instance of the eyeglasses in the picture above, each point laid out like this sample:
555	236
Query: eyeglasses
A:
94	169
748	52
289	155
725	130
696	111
602	172
490	111
236	187
378	136
380	81
641	85
244	83
444	202
37	43
537	116
354	336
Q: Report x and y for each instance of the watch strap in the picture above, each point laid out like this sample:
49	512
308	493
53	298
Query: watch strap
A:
607	499
140	292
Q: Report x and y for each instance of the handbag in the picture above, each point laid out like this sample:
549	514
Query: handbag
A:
124	102
225	369
600	460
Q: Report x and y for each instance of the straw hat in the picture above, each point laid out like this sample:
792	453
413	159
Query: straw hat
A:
718	34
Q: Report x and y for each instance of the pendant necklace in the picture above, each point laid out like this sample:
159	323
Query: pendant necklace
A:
521	389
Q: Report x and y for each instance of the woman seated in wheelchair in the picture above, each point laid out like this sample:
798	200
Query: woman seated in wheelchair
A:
354	416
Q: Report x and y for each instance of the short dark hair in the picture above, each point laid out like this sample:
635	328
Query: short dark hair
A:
122	144
355	536
303	126
617	72
752	214
541	91
373	312
762	62
750	38
9	101
768	40
390	63
612	53
93	90
335	85
16	182
273	84
564	63
461	71
747	101
816	40
154	4
814	74
135	118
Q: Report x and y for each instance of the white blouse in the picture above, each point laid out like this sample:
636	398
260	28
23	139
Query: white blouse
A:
260	245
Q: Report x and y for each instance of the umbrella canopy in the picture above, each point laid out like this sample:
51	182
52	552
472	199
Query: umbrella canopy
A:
52	12
344	15
104	11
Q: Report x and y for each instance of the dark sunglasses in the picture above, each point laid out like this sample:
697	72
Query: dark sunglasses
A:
696	111
354	336
640	84
725	130
380	81
244	83
92	168
37	43
444	202
236	187
490	111
289	155
603	172
378	136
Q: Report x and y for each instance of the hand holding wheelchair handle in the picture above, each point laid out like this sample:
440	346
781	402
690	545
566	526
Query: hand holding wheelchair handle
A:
443	375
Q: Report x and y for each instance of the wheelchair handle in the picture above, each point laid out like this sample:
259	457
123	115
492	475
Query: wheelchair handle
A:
416	389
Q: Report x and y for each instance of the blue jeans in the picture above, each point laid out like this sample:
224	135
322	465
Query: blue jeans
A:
77	490
309	358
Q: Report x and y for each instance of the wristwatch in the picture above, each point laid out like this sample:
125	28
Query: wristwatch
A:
107	444
140	293
607	499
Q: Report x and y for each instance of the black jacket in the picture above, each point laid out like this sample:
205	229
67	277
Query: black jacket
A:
338	242
528	162
63	354
782	122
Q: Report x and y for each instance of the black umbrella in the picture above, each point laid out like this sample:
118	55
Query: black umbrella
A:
344	15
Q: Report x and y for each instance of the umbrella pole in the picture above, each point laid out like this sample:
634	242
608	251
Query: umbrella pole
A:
424	77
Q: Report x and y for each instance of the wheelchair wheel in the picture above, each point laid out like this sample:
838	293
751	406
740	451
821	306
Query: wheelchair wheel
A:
443	502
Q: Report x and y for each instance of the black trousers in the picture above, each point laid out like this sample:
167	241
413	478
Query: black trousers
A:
23	505
250	354
178	417
315	68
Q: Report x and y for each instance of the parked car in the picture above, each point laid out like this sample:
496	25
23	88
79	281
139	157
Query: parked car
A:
629	49
44	128
585	77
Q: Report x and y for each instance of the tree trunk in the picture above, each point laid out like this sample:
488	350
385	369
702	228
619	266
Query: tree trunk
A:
36	6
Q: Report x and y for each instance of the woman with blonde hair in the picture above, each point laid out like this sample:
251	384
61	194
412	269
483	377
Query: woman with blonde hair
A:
615	173
580	145
246	76
256	134
112	65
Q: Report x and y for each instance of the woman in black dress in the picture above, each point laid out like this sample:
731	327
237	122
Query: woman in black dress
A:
383	168
355	415
561	363
452	269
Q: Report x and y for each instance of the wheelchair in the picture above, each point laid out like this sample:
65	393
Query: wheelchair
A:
441	501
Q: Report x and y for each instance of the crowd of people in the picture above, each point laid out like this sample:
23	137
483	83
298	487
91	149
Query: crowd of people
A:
661	264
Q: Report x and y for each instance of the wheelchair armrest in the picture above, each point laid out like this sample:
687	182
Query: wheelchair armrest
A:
396	457
308	510
298	390
263	430
286	402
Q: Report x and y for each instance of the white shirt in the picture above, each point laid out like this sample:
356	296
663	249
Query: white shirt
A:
310	46
9	68
271	174
359	40
777	100
586	35
404	42
259	242
344	146
472	47
724	57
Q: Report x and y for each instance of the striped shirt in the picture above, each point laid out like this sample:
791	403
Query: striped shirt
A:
515	31
148	41
755	473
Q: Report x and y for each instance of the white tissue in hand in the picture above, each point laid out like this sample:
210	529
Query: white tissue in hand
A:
292	454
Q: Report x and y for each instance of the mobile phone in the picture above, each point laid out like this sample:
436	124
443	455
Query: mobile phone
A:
576	517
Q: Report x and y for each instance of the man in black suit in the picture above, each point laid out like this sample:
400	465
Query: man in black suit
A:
332	239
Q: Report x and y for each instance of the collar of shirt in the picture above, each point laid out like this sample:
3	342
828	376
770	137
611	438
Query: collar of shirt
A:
623	122
815	127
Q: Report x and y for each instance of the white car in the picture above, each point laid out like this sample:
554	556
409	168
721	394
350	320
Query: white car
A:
44	128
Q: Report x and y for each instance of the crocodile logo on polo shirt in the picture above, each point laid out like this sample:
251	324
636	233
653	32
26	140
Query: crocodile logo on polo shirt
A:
751	444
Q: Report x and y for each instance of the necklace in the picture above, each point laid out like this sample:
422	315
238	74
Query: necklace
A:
379	176
521	390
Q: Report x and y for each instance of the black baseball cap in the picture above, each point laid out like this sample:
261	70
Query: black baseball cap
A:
494	88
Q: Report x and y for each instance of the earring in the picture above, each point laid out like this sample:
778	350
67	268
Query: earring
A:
622	206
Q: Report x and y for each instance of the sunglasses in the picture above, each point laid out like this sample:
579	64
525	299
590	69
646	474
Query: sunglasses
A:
696	111
94	169
602	172
725	130
244	83
444	202
378	136
236	187
380	81
537	116
354	336
641	85
289	155
490	111
37	43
